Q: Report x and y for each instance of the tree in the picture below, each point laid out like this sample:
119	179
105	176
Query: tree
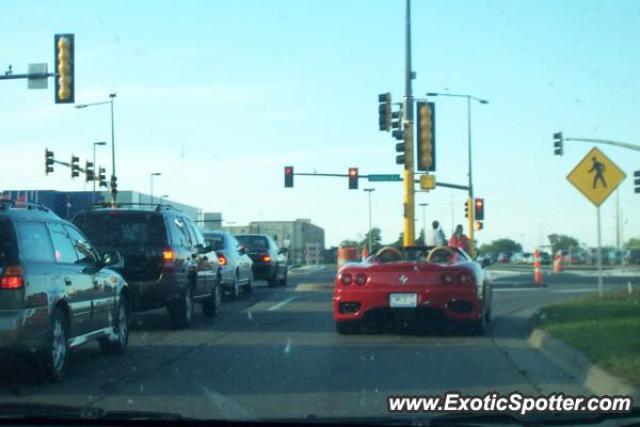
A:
501	245
633	243
349	244
561	242
420	239
376	239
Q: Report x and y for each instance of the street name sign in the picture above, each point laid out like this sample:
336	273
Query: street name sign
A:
596	176
388	177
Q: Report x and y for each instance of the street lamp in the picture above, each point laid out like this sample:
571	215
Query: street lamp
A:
151	180
95	144
369	190
113	144
481	101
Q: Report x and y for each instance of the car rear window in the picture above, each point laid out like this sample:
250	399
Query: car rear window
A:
253	242
123	228
7	242
215	240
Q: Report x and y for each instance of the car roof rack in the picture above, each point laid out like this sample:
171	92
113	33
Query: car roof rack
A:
157	207
7	204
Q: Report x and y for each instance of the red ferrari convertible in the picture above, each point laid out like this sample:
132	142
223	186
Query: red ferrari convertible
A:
412	282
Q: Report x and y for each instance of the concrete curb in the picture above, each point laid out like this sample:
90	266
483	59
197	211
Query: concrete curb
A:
577	365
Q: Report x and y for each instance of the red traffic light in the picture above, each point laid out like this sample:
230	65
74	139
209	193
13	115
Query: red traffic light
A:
288	176
353	178
479	209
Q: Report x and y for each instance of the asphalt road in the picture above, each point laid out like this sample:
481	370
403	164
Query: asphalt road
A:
275	355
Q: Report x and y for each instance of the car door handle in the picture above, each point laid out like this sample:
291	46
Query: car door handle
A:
67	281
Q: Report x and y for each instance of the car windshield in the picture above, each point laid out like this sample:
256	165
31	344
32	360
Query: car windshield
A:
253	243
122	228
336	211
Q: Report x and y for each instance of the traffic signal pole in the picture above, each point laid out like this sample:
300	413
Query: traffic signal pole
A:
409	225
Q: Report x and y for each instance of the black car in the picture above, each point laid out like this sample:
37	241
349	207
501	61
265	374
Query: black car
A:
55	292
165	259
269	262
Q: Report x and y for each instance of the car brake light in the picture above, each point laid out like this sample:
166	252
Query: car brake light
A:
446	278
466	278
266	258
12	278
168	256
361	279
346	279
222	260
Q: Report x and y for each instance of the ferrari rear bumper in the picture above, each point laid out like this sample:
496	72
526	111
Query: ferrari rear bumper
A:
459	303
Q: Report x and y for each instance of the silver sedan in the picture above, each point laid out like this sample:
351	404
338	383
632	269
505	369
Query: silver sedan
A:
235	264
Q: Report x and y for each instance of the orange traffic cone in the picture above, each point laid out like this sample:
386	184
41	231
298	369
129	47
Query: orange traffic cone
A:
365	252
557	263
537	272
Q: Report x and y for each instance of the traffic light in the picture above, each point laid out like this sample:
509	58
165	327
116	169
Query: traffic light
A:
400	157
479	209
353	178
384	111
557	144
102	177
64	69
466	208
90	174
636	181
75	167
114	184
479	225
48	162
426	136
288	176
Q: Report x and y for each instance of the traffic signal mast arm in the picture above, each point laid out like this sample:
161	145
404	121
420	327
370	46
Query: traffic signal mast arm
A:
606	141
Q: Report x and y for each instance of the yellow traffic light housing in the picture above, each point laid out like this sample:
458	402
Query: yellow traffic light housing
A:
64	69
427	182
426	136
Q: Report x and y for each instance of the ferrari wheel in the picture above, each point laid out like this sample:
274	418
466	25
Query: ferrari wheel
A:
346	328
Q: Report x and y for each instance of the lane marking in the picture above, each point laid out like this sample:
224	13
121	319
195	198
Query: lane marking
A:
281	304
574	291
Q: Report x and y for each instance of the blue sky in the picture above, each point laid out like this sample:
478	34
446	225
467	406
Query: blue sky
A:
220	95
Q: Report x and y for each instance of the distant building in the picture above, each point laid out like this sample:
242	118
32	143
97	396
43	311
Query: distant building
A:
302	239
67	203
211	221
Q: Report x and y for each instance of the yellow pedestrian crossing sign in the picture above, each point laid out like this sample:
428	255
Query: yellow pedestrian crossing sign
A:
596	176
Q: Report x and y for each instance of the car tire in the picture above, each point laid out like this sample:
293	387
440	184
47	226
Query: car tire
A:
235	287
118	343
181	311
283	282
211	305
248	288
478	327
56	354
348	327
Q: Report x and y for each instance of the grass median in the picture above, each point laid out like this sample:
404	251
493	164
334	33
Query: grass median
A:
606	330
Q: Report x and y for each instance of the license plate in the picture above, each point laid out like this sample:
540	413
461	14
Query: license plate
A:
403	300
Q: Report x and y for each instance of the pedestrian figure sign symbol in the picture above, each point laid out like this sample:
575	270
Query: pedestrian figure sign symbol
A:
598	168
596	176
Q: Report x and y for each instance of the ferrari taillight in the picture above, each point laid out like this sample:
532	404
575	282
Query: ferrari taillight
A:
360	279
346	279
466	278
446	278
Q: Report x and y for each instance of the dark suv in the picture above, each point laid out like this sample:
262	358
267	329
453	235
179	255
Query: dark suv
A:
269	262
55	292
164	257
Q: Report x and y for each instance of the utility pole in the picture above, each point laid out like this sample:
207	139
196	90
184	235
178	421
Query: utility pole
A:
370	190
409	226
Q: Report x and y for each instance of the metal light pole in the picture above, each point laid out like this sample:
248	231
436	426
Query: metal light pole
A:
469	98
424	221
151	181
370	190
101	143
113	142
409	226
